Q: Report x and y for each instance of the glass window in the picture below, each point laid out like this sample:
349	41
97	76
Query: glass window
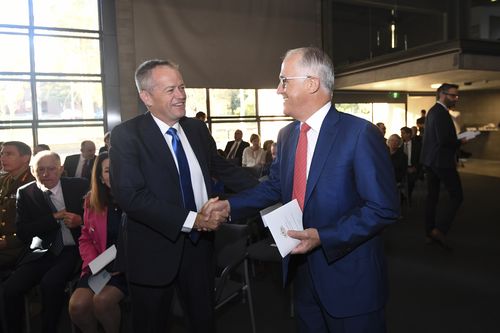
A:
76	14
69	100
15	100
14	12
392	115
17	134
15	55
269	129
73	137
224	132
361	110
67	55
270	103
232	102
196	100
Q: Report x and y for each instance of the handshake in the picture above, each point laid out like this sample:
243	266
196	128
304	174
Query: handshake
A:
213	213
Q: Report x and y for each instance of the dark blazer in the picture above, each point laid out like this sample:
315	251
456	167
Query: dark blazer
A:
239	152
145	183
400	164
71	163
416	149
440	143
34	216
351	196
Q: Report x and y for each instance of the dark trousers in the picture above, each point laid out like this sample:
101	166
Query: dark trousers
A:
312	317
51	272
451	181
195	286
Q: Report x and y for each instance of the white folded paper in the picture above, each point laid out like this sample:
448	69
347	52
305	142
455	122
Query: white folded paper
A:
282	219
268	210
468	135
103	259
99	280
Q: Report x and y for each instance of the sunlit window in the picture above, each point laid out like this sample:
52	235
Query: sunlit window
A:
51	87
232	102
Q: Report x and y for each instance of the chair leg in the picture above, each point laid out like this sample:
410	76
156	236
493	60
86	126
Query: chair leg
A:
249	296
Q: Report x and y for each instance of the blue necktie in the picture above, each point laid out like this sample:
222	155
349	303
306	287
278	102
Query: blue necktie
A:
184	176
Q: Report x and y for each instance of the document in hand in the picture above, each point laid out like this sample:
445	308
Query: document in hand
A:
103	259
468	135
282	219
99	280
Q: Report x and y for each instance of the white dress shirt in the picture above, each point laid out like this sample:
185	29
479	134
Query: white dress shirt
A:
79	167
197	181
315	121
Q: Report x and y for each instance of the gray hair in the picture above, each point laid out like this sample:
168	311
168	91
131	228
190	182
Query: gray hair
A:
318	63
45	153
143	72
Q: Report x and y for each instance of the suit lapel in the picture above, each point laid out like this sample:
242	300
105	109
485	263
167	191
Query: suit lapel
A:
289	160
326	140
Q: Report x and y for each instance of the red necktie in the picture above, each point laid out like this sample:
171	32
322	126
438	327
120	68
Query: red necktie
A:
300	170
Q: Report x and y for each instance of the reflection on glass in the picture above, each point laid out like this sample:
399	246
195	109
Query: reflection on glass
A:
232	102
361	110
67	140
196	100
15	100
69	100
14	56
14	12
224	132
77	14
269	129
270	103
17	134
67	55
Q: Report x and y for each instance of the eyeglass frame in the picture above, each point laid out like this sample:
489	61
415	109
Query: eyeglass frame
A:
283	79
452	95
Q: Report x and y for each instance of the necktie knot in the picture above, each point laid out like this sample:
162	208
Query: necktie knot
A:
305	128
172	132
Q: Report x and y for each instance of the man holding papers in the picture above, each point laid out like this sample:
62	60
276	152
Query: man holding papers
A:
439	156
337	168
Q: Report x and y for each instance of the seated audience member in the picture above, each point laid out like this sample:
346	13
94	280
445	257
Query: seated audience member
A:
51	209
272	153
382	128
101	218
107	138
234	149
80	165
254	156
40	147
15	158
398	157
200	115
412	149
267	148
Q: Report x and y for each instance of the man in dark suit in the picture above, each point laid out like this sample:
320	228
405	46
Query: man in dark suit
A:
411	148
49	209
337	167
439	151
161	168
80	165
234	149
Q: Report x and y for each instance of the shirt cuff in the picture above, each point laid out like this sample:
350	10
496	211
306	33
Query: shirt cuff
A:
188	224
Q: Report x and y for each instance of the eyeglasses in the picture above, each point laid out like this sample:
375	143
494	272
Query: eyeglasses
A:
284	80
452	95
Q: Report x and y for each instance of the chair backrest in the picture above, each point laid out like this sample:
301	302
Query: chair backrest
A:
230	244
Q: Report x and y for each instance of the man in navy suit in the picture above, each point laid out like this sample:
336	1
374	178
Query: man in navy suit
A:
164	249
80	165
348	197
51	209
234	149
439	156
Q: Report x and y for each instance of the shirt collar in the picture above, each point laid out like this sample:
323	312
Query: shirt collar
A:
316	120
163	126
55	190
444	106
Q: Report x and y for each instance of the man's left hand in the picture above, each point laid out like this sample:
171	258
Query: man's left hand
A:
309	240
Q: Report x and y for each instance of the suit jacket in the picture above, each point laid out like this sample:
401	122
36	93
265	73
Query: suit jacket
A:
239	152
440	142
34	215
145	183
71	163
93	239
416	149
351	196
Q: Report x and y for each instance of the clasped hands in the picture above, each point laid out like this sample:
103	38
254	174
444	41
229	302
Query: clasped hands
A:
71	220
213	213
